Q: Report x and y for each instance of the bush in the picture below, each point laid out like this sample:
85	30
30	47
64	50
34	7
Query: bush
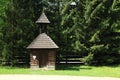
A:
87	59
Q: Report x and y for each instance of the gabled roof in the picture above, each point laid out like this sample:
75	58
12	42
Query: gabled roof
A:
43	19
43	41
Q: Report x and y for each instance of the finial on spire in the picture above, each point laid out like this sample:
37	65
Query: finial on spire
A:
43	10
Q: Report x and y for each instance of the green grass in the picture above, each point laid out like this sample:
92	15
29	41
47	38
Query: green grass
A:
101	71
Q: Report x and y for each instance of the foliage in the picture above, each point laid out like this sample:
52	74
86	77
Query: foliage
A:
16	27
90	29
88	59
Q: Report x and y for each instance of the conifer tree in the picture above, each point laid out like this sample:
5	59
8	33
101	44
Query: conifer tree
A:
93	30
90	29
17	30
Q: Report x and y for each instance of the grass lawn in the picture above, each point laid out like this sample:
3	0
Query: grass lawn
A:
101	71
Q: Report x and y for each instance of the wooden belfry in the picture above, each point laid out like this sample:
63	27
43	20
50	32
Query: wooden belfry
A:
43	48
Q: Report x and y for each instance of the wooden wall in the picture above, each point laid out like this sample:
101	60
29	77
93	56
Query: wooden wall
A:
44	58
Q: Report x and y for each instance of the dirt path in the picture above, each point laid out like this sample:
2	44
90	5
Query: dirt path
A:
52	77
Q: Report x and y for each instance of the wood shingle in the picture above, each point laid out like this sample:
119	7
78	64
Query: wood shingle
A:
43	19
43	41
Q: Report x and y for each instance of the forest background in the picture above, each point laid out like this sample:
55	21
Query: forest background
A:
90	29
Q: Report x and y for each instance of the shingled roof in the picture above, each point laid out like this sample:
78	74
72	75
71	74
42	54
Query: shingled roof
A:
43	41
43	19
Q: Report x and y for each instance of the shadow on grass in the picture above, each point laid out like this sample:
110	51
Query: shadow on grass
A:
114	65
86	68
14	67
71	67
110	65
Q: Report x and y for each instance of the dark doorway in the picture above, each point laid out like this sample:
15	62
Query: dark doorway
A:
43	59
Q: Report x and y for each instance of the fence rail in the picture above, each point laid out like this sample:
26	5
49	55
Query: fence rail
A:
18	60
70	59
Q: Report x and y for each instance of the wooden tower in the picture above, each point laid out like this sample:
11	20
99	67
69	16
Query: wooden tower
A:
42	49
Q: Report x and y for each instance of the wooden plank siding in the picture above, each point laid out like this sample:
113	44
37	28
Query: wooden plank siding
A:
44	58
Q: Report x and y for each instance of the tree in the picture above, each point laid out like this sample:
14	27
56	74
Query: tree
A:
109	32
93	30
90	29
17	29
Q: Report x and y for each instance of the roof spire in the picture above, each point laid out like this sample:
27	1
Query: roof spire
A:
43	18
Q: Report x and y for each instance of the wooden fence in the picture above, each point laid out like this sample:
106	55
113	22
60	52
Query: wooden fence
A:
66	59
70	59
18	61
